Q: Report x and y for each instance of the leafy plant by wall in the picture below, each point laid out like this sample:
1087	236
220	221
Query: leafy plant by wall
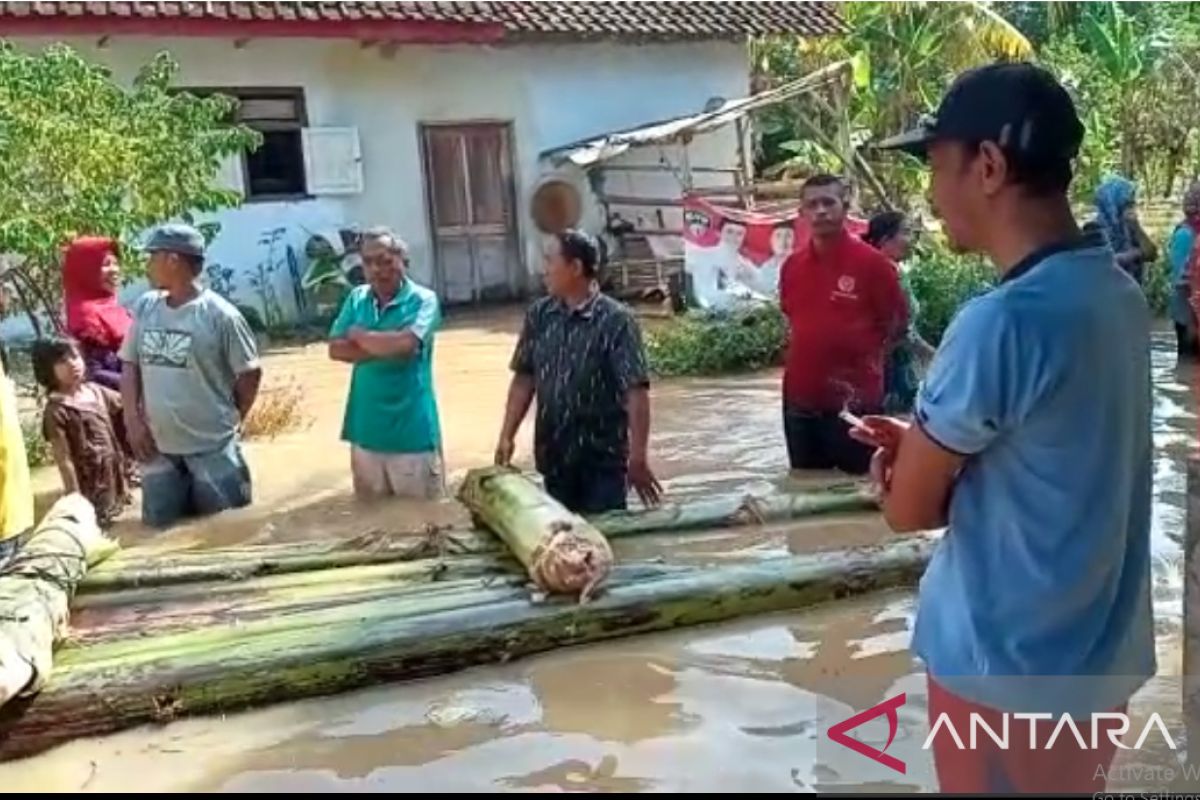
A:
702	344
84	154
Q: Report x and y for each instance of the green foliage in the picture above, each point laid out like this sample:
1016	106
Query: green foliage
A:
37	449
902	55
1134	73
82	154
941	281
1134	69
1157	285
702	344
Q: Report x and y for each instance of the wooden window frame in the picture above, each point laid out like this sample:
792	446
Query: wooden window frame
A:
240	93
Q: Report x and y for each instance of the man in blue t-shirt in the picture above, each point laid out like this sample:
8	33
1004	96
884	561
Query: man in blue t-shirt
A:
1032	446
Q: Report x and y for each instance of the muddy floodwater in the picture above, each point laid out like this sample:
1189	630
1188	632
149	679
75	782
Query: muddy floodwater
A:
739	706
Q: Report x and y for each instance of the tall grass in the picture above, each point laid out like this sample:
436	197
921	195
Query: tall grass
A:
278	410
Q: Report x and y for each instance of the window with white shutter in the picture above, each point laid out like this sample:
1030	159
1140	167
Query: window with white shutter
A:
332	161
274	170
230	174
293	161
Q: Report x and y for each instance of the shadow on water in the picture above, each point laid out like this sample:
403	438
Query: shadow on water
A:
731	707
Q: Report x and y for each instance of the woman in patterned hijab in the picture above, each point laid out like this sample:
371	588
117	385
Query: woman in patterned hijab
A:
1116	213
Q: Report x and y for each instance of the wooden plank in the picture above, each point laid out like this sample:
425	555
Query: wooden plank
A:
656	232
634	263
628	200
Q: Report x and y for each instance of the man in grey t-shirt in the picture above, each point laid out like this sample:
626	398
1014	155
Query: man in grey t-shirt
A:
190	377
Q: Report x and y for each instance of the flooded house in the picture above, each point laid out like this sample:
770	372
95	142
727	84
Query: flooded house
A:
431	118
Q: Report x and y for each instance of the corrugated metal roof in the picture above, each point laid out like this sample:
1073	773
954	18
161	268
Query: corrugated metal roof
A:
601	148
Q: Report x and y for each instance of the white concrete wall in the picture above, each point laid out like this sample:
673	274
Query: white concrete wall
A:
552	94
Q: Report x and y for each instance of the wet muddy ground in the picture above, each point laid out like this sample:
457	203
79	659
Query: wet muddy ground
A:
741	706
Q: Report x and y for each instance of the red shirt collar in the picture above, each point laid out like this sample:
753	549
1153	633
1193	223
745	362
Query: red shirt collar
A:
836	246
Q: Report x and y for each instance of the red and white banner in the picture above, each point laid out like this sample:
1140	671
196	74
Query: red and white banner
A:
732	255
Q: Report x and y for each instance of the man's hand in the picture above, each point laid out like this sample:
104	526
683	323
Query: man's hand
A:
881	470
504	452
884	434
879	431
140	439
642	479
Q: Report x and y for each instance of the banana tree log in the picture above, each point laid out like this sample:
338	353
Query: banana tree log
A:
35	589
145	567
339	580
140	614
108	687
149	567
733	513
563	553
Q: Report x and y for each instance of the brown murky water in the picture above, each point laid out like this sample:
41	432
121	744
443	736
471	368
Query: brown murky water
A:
735	707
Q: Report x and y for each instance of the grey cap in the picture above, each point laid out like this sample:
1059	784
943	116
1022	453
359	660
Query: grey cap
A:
176	238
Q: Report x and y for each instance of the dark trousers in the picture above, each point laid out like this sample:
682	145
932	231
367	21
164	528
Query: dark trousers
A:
1185	341
588	489
821	440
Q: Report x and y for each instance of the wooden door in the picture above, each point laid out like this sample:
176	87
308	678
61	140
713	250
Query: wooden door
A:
469	183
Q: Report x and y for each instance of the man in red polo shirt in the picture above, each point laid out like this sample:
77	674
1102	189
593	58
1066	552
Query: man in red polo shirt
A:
845	308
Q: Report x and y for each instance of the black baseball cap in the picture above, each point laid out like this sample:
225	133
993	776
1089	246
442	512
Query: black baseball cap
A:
1021	107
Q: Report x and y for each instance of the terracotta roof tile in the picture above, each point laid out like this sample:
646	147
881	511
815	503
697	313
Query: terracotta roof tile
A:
697	19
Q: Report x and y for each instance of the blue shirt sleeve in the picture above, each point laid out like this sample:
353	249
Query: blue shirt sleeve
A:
974	390
1179	250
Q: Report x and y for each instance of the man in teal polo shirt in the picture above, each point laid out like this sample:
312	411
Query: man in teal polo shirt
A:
385	329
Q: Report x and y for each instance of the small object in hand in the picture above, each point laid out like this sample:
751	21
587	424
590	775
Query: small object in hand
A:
853	421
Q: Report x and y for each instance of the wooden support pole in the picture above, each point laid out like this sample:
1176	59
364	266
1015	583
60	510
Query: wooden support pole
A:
685	164
744	178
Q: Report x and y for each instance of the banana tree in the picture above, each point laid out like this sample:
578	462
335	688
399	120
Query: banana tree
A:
904	55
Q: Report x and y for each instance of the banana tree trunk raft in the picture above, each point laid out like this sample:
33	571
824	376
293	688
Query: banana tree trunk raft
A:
35	590
135	567
734	513
111	686
139	614
562	552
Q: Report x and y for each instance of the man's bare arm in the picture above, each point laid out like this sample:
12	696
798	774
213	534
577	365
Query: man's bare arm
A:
638	406
922	479
245	390
347	351
388	344
520	397
140	438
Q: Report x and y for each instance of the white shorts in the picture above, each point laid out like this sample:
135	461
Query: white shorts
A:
415	475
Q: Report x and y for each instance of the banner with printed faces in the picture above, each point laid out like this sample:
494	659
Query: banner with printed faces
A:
733	256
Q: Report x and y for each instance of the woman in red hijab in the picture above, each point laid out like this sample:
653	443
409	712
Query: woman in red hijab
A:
91	275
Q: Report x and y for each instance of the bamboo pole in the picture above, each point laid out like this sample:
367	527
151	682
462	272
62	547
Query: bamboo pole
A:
133	568
35	590
113	686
